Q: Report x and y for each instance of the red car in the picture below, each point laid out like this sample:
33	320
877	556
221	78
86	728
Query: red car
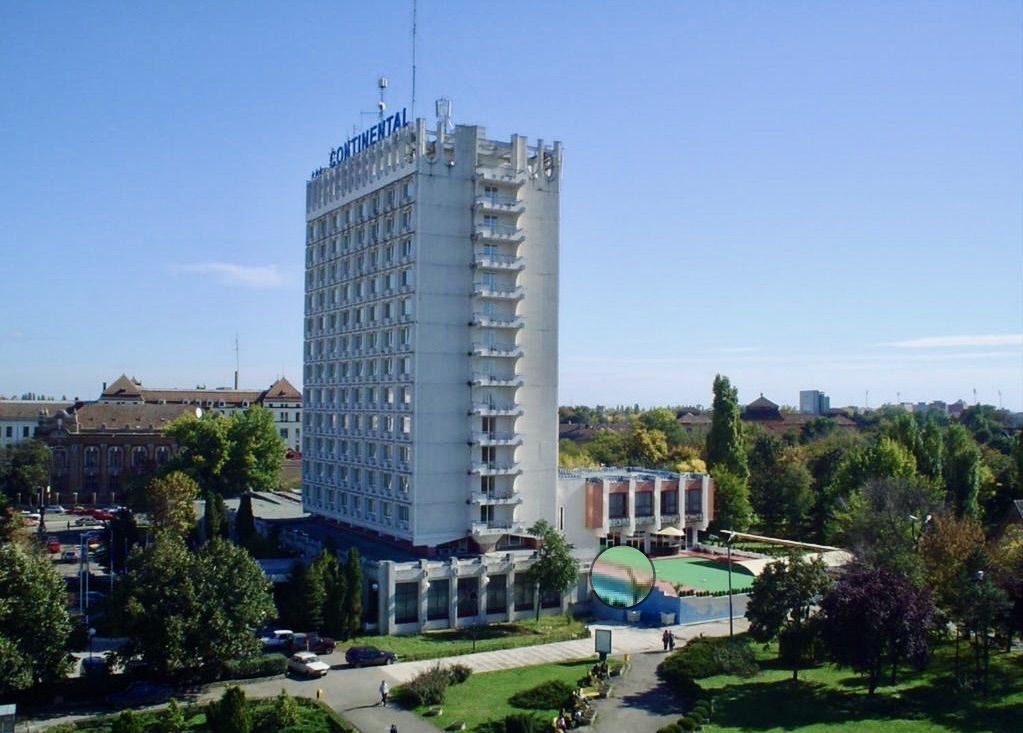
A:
101	514
52	545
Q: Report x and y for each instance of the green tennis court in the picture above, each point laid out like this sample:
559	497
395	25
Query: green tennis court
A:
701	574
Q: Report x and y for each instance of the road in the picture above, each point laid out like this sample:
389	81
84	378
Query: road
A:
639	704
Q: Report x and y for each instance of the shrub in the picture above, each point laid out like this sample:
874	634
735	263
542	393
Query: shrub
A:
231	713
706	657
265	665
549	695
126	722
429	687
524	723
670	728
285	711
172	719
687	724
459	673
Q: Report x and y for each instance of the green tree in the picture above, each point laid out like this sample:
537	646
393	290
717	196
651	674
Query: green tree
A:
172	720
34	624
353	593
554	569
184	610
334	618
646	447
215	521
244	521
285	711
664	420
170	501
126	722
962	470
608	447
229	455
725	447
947	544
782	598
231	714
732	510
24	469
930	456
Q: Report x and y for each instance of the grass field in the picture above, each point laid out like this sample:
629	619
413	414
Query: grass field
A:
450	642
828	698
484	697
696	572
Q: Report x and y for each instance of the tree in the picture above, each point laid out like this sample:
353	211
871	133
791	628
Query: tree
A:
731	502
945	549
24	468
962	470
184	610
353	593
334	618
170	500
244	521
724	441
875	617
554	569
172	720
35	627
126	722
215	522
231	714
228	455
645	446
781	599
665	420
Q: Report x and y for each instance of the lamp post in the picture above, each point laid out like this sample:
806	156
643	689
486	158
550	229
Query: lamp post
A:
731	627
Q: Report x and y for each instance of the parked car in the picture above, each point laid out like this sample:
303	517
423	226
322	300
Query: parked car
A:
307	664
54	509
364	656
140	693
94	666
278	641
85	521
313	643
52	545
69	556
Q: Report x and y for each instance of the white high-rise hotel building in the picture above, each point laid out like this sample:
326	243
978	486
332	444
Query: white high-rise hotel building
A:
431	336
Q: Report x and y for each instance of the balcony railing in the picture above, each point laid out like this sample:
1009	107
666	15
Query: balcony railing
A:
497	527
501	174
500	203
493	438
491	321
485	290
484	497
495	408
491	380
494	468
498	233
618	521
481	349
493	261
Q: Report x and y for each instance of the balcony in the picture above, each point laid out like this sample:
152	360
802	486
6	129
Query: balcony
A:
670	518
497	527
497	233
509	350
496	409
499	204
490	380
510	498
504	175
495	261
497	438
493	468
496	292
494	321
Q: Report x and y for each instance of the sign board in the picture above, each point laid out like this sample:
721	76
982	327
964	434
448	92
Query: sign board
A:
602	641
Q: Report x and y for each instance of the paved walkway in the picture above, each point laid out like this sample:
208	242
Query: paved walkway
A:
635	706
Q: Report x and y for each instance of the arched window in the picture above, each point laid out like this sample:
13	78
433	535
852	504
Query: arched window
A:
162	455
115	459
90	457
139	455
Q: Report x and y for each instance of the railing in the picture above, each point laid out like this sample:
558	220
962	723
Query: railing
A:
492	291
618	521
499	203
497	349
496	438
483	319
483	497
493	467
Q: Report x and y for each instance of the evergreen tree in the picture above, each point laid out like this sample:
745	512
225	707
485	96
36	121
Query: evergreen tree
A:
215	522
334	597
231	714
732	509
244	521
725	447
554	569
353	594
962	470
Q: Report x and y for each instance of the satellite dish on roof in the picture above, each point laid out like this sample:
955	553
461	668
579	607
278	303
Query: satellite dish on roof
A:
198	412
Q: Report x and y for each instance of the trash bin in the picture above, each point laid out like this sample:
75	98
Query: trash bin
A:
632	616
667	619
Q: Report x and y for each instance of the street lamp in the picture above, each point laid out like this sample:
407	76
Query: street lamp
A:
731	628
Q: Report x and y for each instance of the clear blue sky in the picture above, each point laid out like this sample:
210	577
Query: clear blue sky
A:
795	194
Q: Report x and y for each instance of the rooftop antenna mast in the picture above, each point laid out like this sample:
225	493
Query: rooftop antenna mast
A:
381	105
236	365
414	4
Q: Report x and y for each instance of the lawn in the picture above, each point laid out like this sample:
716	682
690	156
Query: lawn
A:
829	698
484	696
450	642
695	572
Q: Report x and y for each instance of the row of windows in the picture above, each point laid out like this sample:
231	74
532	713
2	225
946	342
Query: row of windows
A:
373	369
618	504
468	590
366	480
9	431
361	288
360	210
360	318
353	397
344	270
367	507
115	457
355	344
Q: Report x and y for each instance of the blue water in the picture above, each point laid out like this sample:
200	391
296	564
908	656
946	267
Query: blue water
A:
617	592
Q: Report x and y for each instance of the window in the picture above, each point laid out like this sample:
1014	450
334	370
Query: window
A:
522	593
92	457
644	503
9	432
497	594
284	433
403	513
115	459
618	505
694	501
669	502
24	431
138	457
406	603
438	598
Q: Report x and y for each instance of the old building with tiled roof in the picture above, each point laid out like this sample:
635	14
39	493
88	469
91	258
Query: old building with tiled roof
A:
18	418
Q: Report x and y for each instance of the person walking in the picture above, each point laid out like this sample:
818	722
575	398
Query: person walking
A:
384	689
664	639
671	641
394	728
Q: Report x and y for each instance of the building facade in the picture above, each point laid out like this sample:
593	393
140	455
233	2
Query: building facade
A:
431	337
19	418
814	402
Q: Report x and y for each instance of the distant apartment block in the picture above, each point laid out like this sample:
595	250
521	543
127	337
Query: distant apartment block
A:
814	402
19	418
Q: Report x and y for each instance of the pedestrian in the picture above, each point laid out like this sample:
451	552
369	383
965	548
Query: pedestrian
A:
671	641
384	689
664	639
394	728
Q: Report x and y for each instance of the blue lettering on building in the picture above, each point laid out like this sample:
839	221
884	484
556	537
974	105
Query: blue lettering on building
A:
383	129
